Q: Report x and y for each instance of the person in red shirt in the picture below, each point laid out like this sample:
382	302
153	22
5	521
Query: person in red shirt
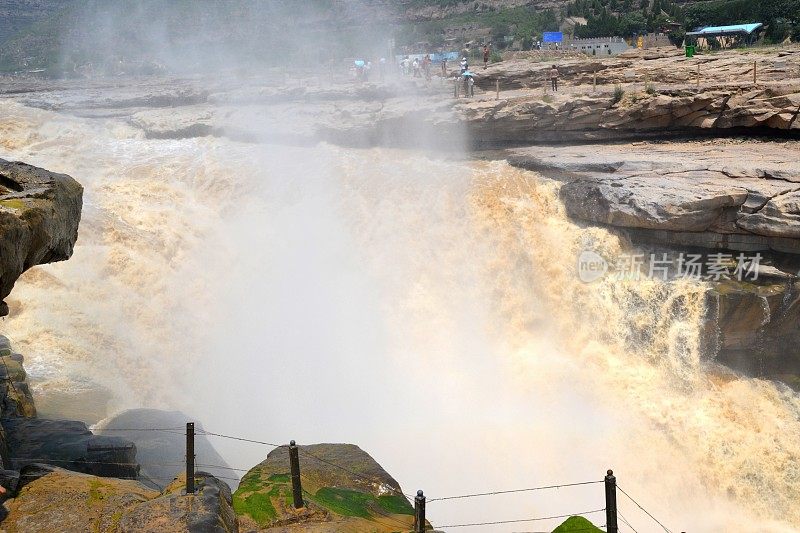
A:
485	57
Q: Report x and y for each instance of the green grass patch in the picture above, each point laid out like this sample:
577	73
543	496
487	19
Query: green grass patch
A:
577	523
279	478
256	505
345	502
13	203
95	492
395	504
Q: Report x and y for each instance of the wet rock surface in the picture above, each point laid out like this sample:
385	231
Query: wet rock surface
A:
68	444
756	328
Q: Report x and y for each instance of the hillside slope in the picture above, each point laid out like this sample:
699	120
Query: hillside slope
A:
115	36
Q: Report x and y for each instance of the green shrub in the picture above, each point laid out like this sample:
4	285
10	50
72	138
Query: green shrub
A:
619	92
495	58
650	89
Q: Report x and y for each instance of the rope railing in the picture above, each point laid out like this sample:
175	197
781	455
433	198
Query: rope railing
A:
627	523
665	528
512	491
419	500
520	520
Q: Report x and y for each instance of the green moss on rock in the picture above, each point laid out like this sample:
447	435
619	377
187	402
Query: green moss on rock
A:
573	524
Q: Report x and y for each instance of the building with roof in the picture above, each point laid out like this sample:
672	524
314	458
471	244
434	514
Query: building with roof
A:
726	36
599	46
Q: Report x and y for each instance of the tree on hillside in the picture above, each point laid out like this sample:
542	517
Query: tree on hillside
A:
632	24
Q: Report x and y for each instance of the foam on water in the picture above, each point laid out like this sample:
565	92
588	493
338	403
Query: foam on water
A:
427	309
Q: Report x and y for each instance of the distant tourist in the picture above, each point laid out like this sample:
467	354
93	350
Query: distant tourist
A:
464	65
415	66
359	66
485	57
426	67
469	83
444	67
382	68
554	78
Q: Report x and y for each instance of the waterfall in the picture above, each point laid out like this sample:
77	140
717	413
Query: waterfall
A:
427	308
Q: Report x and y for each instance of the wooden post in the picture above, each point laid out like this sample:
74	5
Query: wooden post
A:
594	82
497	88
611	503
755	76
698	75
419	513
455	89
189	457
294	465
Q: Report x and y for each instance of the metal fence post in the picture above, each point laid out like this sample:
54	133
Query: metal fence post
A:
297	488
611	503
419	513
189	457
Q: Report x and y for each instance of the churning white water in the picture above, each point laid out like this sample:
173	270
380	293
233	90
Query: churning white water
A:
424	308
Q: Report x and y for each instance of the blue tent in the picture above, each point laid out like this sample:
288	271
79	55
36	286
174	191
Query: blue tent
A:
736	29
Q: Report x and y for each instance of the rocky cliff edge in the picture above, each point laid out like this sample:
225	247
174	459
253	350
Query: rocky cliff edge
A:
39	216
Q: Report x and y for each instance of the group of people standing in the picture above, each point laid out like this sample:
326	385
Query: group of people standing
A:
416	68
422	68
363	69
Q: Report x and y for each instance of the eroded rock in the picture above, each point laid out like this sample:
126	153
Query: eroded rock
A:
39	216
54	499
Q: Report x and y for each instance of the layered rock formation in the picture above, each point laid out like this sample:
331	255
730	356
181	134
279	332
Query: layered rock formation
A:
663	67
727	194
536	118
518	118
658	97
39	216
